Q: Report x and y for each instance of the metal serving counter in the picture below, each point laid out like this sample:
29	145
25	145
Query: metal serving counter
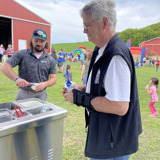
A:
31	129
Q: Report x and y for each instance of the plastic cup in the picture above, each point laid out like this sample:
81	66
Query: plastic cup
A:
72	86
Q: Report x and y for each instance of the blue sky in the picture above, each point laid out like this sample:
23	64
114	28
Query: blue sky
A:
67	24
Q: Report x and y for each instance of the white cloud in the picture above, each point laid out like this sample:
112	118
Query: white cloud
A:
64	17
137	14
67	24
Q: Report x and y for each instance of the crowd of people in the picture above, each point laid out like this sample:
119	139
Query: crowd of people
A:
151	62
62	57
5	53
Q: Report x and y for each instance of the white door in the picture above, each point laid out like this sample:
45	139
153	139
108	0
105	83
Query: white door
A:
22	44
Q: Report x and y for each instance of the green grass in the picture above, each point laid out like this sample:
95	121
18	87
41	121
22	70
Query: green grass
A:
74	124
70	47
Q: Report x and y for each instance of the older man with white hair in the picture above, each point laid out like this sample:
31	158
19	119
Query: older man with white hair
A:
110	97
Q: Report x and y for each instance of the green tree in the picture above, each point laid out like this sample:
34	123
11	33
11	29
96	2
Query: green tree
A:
139	35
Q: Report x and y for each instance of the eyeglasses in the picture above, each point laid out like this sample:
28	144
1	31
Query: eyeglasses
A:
86	25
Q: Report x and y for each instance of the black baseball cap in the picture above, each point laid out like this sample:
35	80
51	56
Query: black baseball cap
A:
39	34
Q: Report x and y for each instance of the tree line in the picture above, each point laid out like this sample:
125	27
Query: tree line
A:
139	35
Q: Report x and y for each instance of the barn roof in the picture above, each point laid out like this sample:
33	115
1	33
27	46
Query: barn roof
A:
150	40
12	9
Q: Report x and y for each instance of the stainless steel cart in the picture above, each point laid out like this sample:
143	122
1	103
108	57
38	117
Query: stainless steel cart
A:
37	134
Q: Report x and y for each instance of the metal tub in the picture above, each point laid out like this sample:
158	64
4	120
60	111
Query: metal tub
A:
35	136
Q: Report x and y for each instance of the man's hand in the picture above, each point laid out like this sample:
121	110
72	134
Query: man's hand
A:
68	96
22	82
41	86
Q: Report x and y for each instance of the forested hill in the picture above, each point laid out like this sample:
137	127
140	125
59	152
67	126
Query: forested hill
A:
139	35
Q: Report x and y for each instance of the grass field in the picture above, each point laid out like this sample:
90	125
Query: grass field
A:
70	47
74	124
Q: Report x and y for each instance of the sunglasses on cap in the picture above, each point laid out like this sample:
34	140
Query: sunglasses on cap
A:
38	34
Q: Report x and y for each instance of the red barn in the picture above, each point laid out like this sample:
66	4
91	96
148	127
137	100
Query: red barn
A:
152	46
17	24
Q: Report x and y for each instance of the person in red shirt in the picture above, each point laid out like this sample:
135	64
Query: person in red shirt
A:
9	50
157	65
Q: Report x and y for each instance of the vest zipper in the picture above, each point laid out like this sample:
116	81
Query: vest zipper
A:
111	144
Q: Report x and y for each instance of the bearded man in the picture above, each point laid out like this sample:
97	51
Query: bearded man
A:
37	69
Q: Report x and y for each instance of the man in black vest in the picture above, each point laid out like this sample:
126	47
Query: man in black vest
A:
110	97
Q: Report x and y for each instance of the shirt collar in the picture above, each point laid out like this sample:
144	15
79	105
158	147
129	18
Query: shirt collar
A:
101	50
43	55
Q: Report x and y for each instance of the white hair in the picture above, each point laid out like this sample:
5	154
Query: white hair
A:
100	9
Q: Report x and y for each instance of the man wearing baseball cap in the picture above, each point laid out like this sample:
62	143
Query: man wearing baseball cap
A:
37	70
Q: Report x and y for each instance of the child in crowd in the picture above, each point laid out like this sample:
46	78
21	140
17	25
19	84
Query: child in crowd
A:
69	73
5	57
152	91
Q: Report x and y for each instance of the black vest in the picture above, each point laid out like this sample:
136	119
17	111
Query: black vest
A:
110	135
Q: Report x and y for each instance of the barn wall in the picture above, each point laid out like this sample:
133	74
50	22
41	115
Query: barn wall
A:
23	30
153	46
13	9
